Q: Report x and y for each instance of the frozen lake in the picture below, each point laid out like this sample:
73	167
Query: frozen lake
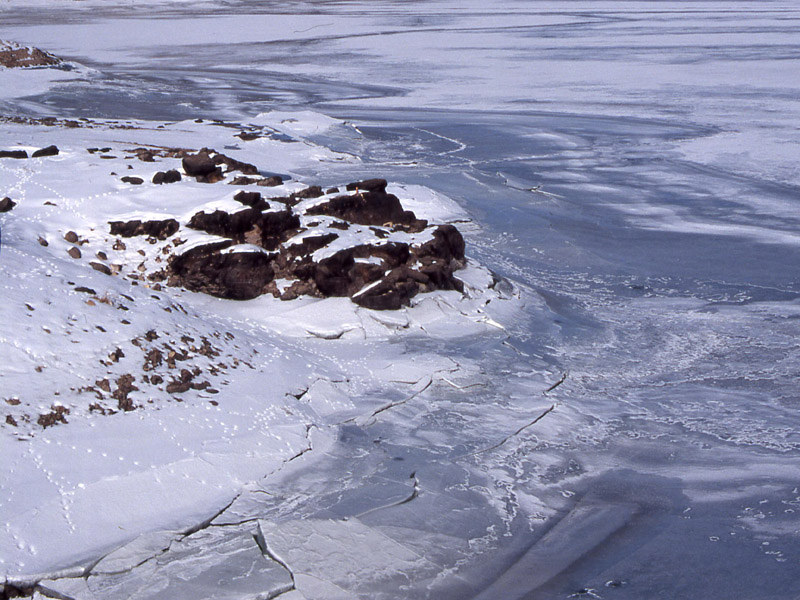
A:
632	169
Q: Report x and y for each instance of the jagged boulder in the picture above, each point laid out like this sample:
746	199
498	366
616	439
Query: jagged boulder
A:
231	275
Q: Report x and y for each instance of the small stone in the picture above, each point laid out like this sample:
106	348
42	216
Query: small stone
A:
100	267
74	252
71	237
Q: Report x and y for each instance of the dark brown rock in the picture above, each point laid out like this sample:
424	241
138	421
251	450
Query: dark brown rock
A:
252	199
235	165
74	252
370	208
313	191
13	154
100	267
202	167
243	180
310	244
250	225
171	176
6	204
271	181
133	180
71	237
248	136
49	151
234	275
158	229
341	275
144	154
368	185
447	244
393	292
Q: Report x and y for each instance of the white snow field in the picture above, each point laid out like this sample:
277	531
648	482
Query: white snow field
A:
610	410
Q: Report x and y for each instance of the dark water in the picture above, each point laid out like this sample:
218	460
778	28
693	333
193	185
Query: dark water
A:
665	285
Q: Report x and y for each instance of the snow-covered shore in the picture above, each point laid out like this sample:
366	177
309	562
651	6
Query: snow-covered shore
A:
100	442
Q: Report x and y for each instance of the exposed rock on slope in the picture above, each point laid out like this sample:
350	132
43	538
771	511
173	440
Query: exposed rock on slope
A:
12	56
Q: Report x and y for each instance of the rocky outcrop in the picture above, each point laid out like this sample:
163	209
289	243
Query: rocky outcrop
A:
287	252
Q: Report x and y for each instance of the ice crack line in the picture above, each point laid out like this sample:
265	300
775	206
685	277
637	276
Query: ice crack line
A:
516	433
363	421
414	494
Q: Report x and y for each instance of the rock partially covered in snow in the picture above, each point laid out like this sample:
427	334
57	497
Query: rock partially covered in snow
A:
13	56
